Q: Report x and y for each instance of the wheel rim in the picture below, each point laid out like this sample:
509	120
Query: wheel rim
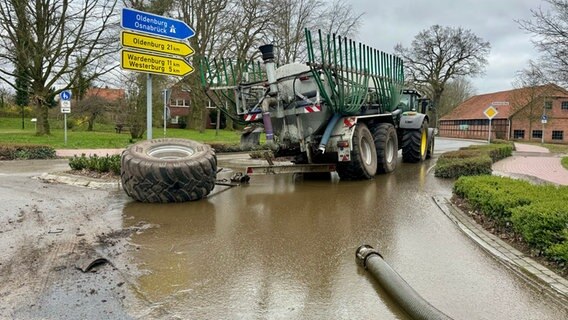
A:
423	143
390	150
366	154
171	152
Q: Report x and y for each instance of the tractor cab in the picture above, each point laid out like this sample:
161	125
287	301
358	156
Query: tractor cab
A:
412	100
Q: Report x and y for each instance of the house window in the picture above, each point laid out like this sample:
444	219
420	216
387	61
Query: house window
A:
564	105
518	134
557	135
548	104
179	103
174	120
537	134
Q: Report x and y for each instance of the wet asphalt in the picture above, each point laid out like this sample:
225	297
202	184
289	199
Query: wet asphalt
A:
283	248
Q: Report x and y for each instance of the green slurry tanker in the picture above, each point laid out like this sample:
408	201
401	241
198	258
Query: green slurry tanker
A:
344	110
346	107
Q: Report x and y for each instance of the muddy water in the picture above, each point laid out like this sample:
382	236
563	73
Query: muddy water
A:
283	248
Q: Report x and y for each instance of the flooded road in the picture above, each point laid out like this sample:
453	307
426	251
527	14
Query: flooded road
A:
283	248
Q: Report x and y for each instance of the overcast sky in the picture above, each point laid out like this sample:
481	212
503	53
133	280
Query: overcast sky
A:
386	23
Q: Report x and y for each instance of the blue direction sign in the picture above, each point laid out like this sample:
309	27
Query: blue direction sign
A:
154	24
65	95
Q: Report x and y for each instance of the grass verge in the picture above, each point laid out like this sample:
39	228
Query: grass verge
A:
104	137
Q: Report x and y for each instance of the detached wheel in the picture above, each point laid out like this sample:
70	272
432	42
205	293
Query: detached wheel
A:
363	164
415	144
386	144
168	170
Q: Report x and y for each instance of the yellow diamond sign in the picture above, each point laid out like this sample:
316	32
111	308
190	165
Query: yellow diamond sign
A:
490	112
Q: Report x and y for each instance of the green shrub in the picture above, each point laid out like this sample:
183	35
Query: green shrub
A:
456	166
96	163
541	224
559	252
472	160
495	196
539	213
79	163
26	152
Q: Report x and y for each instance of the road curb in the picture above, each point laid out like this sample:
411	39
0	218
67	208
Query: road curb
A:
534	273
79	181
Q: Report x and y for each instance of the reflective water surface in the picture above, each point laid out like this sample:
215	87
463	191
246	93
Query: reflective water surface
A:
283	248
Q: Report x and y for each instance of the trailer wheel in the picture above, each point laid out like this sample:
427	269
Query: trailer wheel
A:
386	144
363	164
168	170
415	144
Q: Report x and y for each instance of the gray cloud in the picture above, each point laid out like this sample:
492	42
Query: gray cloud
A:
386	23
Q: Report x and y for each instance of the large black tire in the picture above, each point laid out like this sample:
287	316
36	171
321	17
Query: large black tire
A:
168	170
415	144
363	164
386	144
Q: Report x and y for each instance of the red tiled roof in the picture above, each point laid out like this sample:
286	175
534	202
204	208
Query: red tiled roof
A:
473	107
108	94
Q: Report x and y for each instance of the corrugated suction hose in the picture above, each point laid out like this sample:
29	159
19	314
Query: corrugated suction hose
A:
396	287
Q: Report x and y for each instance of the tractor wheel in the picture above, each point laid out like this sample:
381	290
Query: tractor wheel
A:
168	170
386	144
363	164
430	152
415	144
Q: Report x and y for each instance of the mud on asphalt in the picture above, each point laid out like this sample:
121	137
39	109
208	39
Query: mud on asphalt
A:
61	249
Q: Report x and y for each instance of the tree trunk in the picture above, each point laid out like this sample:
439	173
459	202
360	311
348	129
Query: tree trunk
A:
91	122
42	118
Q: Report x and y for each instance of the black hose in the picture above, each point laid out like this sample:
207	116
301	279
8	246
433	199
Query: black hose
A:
396	287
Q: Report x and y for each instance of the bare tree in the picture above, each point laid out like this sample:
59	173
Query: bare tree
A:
45	39
339	18
439	54
528	101
209	19
457	91
286	31
551	29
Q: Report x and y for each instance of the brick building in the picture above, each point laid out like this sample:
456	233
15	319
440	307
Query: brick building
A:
520	116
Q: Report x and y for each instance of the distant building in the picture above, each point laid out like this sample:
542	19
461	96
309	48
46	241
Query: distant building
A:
106	93
527	114
179	106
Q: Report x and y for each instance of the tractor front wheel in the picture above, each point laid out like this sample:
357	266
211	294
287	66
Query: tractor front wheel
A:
415	144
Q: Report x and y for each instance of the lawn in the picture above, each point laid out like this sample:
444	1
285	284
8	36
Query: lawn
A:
554	148
104	136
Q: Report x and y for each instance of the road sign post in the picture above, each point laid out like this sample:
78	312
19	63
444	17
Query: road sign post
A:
162	61
155	44
156	25
490	113
153	63
65	103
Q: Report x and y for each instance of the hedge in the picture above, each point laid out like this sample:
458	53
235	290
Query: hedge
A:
96	163
472	161
26	152
539	213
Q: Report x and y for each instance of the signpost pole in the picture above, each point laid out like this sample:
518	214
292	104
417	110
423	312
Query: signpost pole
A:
65	127
489	138
149	107
165	107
